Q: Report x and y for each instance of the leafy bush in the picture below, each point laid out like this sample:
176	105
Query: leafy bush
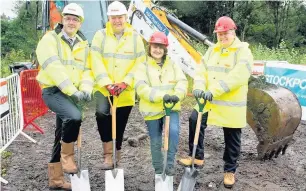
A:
10	58
261	52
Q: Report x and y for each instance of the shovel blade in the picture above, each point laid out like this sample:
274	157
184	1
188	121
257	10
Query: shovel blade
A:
114	183
188	180
163	185
80	183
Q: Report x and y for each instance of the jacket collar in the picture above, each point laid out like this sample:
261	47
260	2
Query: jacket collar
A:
127	30
59	27
236	44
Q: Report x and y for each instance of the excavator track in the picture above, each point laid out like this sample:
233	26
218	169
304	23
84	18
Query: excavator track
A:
274	113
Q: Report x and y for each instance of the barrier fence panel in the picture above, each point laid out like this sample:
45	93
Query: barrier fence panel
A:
32	102
11	122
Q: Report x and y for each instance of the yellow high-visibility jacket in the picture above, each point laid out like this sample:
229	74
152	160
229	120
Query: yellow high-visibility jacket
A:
114	61
152	82
225	73
62	65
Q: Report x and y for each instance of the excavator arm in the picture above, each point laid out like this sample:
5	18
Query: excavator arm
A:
273	112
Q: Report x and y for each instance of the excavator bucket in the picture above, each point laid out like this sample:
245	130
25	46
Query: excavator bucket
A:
274	113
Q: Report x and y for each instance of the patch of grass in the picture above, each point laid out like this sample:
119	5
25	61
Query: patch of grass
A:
6	154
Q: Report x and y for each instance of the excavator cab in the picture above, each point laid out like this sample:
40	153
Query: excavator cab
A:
95	15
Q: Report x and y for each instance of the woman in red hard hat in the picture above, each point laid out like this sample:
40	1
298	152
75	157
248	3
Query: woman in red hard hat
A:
155	80
222	80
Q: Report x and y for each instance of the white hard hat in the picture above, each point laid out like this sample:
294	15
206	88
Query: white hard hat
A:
116	8
74	9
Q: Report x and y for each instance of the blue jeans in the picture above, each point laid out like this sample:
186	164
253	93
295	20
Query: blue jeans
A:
155	128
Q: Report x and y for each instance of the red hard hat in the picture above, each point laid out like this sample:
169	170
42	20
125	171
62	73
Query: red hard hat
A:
224	24
159	38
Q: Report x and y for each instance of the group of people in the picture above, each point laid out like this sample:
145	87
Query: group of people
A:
117	64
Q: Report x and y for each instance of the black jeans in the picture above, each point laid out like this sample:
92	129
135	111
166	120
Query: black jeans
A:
104	119
68	119
232	138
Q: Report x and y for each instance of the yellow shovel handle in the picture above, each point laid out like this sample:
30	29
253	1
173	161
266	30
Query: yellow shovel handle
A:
167	125
114	109
196	136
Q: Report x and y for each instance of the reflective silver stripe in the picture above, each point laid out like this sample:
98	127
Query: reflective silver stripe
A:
180	89
229	103
59	49
100	76
64	84
141	82
73	63
103	41
152	94
199	81
130	75
235	56
119	56
87	82
147	71
49	61
247	64
224	86
135	44
86	54
139	54
165	87
150	114
218	69
95	48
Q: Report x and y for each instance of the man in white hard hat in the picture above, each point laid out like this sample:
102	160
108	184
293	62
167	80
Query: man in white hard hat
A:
116	50
66	80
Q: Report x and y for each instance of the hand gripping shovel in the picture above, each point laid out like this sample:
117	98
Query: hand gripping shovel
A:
80	181
114	179
163	182
189	177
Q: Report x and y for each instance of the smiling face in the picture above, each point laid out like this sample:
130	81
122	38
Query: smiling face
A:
117	22
157	51
226	38
71	24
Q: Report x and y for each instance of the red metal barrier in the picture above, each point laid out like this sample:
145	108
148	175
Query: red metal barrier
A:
32	103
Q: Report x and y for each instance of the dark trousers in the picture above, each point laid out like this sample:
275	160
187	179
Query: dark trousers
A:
68	119
104	120
232	138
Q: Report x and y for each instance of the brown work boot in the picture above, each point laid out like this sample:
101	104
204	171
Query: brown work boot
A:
107	155
188	161
56	177
229	179
67	158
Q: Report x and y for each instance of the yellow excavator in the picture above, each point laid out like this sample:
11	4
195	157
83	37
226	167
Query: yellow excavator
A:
273	112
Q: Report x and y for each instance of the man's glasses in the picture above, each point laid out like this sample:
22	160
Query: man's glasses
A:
73	20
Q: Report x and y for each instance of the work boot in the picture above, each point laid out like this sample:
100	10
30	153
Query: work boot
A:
188	161
107	155
229	179
67	158
56	177
170	171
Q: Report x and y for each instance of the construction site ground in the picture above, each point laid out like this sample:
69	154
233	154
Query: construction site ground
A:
26	168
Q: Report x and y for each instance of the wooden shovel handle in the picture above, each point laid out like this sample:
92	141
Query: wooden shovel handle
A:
167	125
196	136
79	141
114	109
